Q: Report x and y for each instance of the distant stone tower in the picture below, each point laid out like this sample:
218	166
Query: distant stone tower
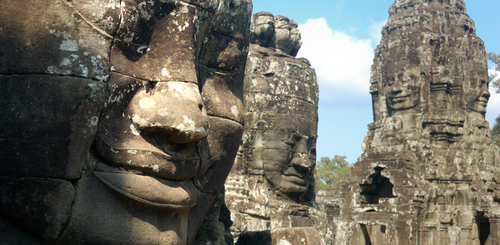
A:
429	174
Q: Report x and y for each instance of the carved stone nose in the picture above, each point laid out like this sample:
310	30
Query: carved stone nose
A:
396	87
172	110
301	160
486	94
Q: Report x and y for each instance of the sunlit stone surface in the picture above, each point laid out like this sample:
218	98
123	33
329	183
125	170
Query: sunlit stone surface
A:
272	183
120	120
429	174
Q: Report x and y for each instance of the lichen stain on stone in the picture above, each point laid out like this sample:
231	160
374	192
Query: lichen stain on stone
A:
284	242
68	45
147	103
142	122
235	111
94	120
188	126
165	73
163	112
135	131
186	91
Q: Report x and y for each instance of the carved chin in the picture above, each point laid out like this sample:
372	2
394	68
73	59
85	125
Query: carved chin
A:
478	105
403	104
480	108
293	185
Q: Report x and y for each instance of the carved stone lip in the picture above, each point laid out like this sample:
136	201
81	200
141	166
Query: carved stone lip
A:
152	191
299	180
482	101
291	174
152	160
398	99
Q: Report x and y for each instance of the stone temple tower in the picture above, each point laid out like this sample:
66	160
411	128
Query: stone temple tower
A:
429	174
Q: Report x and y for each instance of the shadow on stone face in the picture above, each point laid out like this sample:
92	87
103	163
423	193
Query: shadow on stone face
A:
114	131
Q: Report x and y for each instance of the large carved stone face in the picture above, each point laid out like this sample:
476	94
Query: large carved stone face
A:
286	155
161	92
402	89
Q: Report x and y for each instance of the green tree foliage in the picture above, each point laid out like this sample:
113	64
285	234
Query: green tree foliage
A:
495	80
329	171
495	132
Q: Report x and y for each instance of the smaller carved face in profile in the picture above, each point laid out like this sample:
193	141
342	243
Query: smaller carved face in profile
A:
477	96
402	90
287	158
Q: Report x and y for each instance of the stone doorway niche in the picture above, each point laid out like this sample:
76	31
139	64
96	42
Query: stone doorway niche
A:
376	187
370	235
483	229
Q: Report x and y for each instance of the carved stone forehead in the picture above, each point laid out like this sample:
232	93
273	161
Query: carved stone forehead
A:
263	18
281	20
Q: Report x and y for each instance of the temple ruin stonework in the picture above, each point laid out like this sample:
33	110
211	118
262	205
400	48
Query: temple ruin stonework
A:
272	184
429	173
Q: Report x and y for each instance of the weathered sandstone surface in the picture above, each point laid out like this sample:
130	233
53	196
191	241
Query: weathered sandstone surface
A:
272	183
429	174
119	119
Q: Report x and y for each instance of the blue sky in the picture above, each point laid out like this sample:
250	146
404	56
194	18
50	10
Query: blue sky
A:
339	37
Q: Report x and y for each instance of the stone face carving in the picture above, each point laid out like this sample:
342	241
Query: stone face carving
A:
272	184
120	119
281	98
429	174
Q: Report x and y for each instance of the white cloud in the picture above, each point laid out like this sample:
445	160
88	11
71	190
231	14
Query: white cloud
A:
342	63
493	109
376	30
